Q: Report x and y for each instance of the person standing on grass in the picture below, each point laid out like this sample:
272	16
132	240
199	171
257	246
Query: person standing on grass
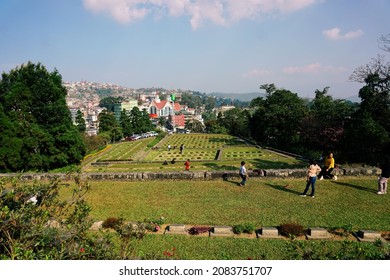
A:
385	174
187	164
326	172
243	174
311	178
169	147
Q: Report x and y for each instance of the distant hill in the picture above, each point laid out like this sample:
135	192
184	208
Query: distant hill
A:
354	99
246	97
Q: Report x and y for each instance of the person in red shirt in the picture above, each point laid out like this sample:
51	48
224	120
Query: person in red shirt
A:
187	164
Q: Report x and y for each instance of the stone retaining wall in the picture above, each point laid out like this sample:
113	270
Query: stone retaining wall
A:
195	175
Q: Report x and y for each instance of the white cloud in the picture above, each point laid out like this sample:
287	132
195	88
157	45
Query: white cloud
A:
221	12
335	34
313	69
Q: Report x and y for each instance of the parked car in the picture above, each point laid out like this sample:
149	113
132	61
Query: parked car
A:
133	137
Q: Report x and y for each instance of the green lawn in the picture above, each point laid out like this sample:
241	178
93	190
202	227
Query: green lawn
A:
205	151
349	203
264	202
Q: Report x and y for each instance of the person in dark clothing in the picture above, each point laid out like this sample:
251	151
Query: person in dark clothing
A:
385	174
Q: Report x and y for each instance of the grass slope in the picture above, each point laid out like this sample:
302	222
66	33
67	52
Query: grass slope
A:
264	202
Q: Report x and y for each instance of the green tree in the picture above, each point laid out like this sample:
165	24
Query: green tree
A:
236	121
277	120
80	121
210	103
195	126
126	125
109	126
324	125
191	100
42	133
109	102
140	120
370	128
209	115
212	126
162	121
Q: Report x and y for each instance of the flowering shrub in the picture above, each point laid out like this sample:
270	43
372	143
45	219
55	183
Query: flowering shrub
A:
170	254
291	230
198	230
154	224
36	224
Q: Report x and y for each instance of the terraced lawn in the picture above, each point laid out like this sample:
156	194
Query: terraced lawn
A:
205	151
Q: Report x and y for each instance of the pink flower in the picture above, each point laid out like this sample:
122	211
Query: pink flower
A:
157	228
82	250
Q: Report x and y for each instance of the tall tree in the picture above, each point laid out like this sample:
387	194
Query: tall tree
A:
236	122
370	127
80	121
277	120
324	125
44	137
384	42
126	125
109	102
109	126
194	126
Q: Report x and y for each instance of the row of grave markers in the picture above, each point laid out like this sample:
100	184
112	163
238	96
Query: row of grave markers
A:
272	232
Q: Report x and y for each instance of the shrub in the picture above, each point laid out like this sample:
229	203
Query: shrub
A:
35	224
291	230
198	230
154	224
111	223
244	228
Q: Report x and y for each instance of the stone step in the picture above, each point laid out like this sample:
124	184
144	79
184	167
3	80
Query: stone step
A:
268	232
221	230
368	235
176	229
318	233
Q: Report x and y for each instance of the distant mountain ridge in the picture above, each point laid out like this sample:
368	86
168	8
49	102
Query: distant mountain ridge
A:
246	97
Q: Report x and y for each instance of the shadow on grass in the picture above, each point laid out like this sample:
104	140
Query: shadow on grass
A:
355	187
271	164
235	183
282	188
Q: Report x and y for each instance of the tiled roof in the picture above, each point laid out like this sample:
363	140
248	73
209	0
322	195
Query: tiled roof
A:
179	120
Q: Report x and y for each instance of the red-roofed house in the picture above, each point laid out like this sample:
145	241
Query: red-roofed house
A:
164	108
179	121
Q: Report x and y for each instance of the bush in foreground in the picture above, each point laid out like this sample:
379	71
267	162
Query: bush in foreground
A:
36	224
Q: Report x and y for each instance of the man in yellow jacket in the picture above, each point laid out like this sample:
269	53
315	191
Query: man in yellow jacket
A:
326	171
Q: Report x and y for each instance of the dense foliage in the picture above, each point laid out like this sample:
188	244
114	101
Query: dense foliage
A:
36	131
135	122
36	223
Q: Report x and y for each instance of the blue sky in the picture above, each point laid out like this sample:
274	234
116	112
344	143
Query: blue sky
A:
231	46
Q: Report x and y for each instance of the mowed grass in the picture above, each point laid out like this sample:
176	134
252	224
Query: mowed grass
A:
263	202
205	151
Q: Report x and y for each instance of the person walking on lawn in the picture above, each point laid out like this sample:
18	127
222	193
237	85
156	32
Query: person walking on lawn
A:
187	164
311	178
243	174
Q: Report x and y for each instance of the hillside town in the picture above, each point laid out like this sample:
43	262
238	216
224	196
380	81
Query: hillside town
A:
159	103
